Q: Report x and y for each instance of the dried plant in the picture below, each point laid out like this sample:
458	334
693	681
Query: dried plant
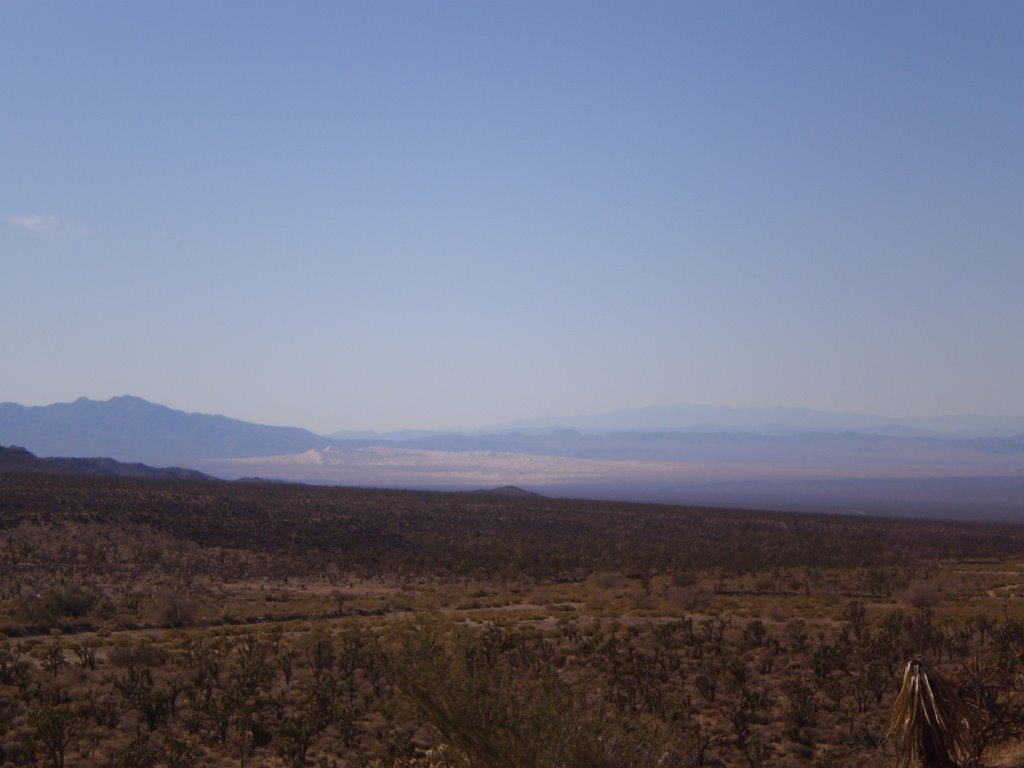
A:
928	723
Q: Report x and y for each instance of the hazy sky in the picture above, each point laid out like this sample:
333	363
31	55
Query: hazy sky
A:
427	214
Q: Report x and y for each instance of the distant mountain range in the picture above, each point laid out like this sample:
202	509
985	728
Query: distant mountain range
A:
779	458
132	429
779	421
811	448
710	419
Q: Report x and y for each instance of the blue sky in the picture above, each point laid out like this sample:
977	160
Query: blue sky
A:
428	214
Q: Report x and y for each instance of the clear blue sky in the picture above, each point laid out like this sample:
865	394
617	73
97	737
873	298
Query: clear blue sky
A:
427	214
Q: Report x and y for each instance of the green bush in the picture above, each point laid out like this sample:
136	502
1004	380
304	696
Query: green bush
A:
73	601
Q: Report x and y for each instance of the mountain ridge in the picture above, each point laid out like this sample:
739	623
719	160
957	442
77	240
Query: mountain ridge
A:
806	469
19	460
129	428
772	420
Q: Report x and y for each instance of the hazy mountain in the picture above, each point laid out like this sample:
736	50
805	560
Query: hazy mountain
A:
509	491
701	418
836	449
1003	445
132	429
17	459
781	459
399	436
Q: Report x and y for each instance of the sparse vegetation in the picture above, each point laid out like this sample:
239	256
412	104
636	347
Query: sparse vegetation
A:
189	623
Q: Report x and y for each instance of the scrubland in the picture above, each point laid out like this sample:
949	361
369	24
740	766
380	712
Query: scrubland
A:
179	623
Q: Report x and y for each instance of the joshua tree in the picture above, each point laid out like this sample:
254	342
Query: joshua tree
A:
56	727
928	724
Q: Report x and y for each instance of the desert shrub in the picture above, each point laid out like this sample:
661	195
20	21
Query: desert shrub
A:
86	653
608	581
179	754
995	707
796	635
174	610
13	671
803	704
471	696
140	753
53	654
144	653
754	633
21	749
921	595
153	705
56	727
600	739
683	579
31	610
441	756
855	613
72	601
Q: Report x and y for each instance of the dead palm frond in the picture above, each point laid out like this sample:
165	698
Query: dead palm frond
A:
928	721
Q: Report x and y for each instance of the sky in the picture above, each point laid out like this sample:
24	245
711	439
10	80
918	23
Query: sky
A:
386	215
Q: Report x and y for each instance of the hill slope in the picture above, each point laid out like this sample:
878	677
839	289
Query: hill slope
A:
17	460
